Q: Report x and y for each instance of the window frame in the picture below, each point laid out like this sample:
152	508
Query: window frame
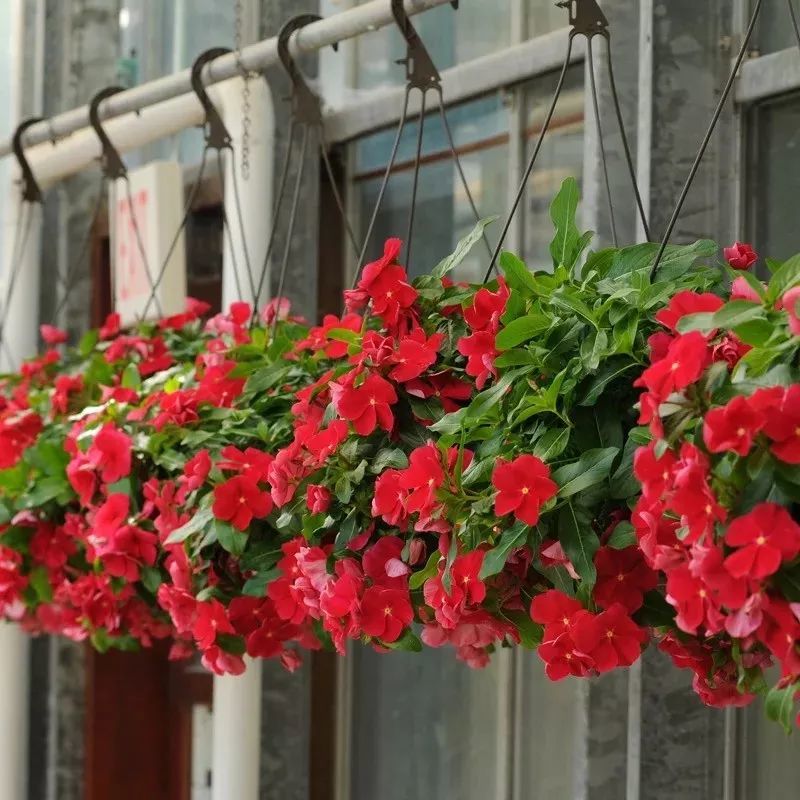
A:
509	72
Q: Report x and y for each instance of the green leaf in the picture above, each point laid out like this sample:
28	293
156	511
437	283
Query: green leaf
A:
431	568
231	643
388	458
591	468
552	444
530	634
677	260
88	342
521	330
257	585
517	275
40	582
789	583
495	559
622	537
756	333
489	398
231	539
131	378
344	335
610	370
786	277
463	249
564	247
779	706
579	540
655	612
408	642
151	578
199	521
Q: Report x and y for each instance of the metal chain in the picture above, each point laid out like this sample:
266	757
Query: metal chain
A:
244	146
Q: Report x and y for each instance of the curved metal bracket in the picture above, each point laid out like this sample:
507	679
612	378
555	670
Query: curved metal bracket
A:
421	72
306	104
217	135
30	188
110	159
586	17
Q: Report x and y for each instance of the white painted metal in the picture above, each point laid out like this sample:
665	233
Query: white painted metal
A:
14	669
768	75
236	738
346	25
254	194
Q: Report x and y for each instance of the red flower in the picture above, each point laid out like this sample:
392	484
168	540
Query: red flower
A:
730	349
422	479
466	590
782	421
238	500
82	478
523	486
389	499
383	565
685	362
655	474
487	308
685	303
480	352
52	335
110	452
740	256
732	427
385	613
196	470
318	499
319	337
766	536
611	639
252	463
415	354
742	290
211	619
689	595
622	577
555	610
791	304
367	405
108	519
450	391
110	327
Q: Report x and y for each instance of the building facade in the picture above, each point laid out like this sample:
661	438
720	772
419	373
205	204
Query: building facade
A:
424	725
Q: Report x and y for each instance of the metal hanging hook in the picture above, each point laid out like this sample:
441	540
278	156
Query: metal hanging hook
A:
306	103
586	17
217	135
110	159
421	72
31	192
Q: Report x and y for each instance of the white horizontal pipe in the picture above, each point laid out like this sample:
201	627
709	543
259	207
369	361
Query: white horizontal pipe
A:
255	58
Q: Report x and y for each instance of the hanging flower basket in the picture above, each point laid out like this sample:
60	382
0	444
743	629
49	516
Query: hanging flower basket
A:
577	461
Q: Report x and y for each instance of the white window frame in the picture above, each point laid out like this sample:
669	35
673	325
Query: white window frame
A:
508	71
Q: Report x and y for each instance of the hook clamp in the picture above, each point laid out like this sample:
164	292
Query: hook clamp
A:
31	192
586	17
110	159
421	72
217	135
306	104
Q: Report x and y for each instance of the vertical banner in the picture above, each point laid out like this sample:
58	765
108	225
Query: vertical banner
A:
146	219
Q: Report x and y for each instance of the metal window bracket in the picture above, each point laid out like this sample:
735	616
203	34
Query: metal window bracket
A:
217	136
110	159
306	104
31	192
586	17
421	72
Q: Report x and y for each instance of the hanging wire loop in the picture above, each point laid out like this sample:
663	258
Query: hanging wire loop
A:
110	159
31	192
707	138
217	136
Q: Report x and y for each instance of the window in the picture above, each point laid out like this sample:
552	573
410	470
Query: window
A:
774	31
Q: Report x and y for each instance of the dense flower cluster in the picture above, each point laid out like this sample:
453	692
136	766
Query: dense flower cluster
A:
576	461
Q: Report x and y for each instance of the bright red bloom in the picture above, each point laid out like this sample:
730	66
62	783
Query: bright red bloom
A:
450	391
52	335
742	290
487	307
481	353
740	256
367	405
423	477
466	589
732	427
251	462
783	421
523	487
622	577
689	595
389	499
108	519
767	536
415	354
562	659
318	499
239	500
83	478
319	338
17	432
385	613
555	611
684	303
220	662
211	619
611	639
110	327
780	631
655	474
685	362
383	565
731	349
110	452
196	470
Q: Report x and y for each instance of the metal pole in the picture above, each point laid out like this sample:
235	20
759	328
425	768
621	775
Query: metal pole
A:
316	36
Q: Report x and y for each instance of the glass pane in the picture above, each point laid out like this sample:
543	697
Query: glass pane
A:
774	30
549	766
424	726
561	157
773	185
443	214
452	37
